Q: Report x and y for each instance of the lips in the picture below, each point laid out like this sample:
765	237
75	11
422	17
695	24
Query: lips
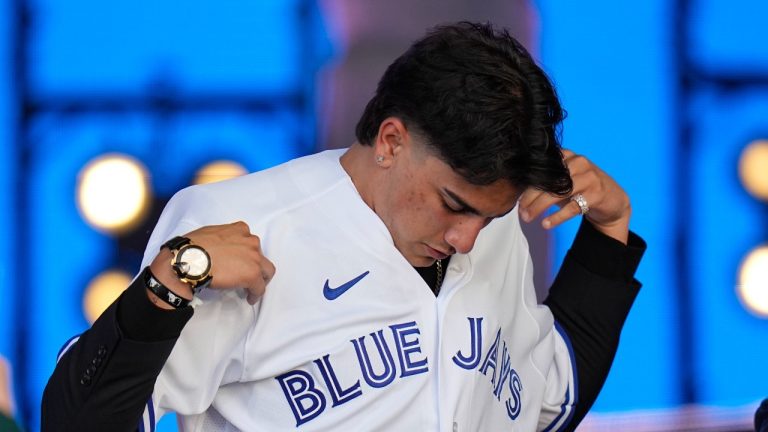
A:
436	254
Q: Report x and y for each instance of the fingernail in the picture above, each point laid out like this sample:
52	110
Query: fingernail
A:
546	223
524	214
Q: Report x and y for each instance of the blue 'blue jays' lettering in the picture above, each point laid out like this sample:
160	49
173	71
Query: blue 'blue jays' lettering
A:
503	372
515	387
407	348
500	362
490	358
339	395
476	342
385	378
307	399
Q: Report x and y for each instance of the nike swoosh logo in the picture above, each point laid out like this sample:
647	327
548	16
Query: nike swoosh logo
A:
334	293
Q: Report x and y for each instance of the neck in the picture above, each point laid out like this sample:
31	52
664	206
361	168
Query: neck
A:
360	164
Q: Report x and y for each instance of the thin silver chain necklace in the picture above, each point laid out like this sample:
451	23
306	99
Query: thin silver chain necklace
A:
439	281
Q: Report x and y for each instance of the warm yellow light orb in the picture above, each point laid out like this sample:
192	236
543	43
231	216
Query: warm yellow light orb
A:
753	282
218	171
102	291
113	192
753	168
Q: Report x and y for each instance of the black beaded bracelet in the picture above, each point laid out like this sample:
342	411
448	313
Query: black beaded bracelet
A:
160	290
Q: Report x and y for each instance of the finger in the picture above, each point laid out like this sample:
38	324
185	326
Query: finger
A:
252	297
566	212
586	184
529	196
254	293
255	242
567	153
241	226
578	164
259	285
584	179
267	270
256	289
542	203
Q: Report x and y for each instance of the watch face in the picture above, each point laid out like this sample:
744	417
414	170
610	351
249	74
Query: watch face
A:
196	260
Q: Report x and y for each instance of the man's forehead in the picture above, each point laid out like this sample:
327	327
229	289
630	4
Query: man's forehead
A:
491	200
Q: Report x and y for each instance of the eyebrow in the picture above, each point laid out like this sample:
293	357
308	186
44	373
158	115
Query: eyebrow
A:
463	204
468	208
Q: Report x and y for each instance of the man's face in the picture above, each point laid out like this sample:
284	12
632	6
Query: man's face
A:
431	211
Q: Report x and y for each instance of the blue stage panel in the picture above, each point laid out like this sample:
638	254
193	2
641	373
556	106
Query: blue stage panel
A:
727	224
610	63
730	35
256	142
56	229
124	46
8	156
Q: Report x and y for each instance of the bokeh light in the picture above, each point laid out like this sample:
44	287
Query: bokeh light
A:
113	193
219	170
102	291
753	282
753	168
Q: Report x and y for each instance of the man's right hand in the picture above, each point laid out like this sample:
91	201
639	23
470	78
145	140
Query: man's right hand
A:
236	258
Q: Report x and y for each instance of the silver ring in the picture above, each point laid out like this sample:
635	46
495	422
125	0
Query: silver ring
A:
582	202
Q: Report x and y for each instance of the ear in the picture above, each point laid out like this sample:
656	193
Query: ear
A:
393	138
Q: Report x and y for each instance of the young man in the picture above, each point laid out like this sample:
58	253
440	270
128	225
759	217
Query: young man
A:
386	287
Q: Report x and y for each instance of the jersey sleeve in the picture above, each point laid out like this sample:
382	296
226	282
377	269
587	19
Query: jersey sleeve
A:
209	351
562	390
178	217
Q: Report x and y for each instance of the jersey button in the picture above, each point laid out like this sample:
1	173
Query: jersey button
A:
455	427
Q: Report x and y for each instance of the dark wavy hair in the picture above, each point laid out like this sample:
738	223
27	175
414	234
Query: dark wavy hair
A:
475	95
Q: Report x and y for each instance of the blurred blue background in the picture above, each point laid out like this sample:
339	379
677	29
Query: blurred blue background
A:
664	95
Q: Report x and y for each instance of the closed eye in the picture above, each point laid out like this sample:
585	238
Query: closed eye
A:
465	211
455	204
453	209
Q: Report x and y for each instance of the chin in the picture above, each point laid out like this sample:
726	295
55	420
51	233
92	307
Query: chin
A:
421	261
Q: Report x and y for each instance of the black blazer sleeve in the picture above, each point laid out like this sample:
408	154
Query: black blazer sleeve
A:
104	380
591	298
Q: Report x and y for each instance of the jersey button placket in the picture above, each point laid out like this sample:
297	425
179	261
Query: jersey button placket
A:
457	275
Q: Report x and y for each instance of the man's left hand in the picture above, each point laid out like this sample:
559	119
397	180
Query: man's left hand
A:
609	207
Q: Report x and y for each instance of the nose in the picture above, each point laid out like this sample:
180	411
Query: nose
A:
462	235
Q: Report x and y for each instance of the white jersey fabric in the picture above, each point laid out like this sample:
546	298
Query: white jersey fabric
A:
348	336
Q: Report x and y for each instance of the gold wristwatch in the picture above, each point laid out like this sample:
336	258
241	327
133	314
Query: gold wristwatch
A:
190	262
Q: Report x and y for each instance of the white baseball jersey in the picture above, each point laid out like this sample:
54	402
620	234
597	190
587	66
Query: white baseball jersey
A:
348	336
